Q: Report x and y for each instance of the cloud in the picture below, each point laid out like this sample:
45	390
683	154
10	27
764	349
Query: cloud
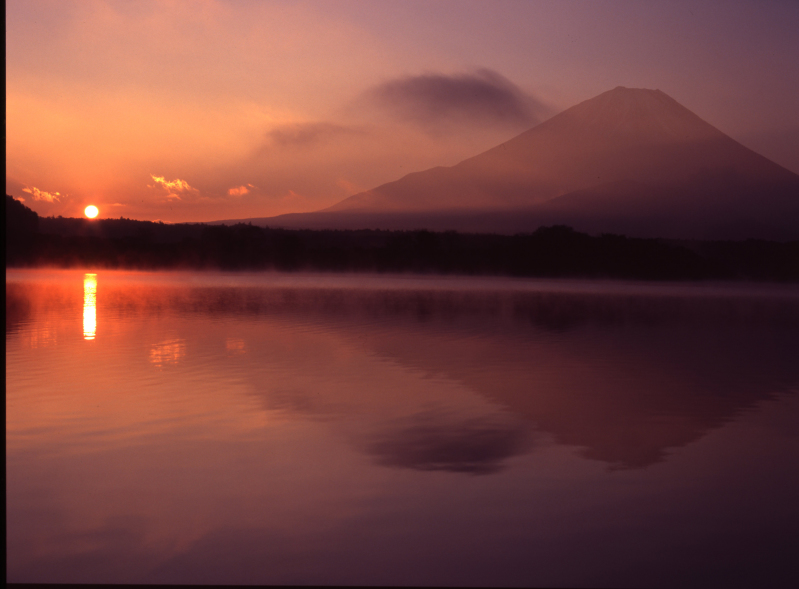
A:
42	195
484	97
308	134
240	191
177	184
172	187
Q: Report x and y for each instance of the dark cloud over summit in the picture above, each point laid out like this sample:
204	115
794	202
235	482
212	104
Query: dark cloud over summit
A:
484	97
308	134
428	442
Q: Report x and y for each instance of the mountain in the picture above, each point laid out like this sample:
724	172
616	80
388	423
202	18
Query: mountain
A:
630	161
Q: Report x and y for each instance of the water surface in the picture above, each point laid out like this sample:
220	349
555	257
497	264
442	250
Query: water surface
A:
332	429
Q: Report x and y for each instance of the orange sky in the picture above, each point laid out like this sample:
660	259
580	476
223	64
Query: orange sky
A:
196	111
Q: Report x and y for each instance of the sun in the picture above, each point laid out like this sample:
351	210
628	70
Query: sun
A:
91	211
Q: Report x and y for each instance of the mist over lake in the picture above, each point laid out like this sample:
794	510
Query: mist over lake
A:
179	427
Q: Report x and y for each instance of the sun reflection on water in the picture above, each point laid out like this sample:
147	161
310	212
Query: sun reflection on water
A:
168	352
89	306
235	346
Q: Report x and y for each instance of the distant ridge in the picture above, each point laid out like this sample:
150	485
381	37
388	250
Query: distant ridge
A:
630	161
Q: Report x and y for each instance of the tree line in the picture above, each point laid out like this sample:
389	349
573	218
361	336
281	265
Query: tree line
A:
557	251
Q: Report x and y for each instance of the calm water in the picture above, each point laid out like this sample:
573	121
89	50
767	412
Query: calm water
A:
300	429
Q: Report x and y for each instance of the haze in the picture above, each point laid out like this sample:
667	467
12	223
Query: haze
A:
198	111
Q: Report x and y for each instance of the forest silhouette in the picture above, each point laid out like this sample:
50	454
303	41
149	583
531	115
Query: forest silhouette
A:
554	251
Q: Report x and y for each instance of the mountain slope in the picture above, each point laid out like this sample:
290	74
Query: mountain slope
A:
621	135
629	160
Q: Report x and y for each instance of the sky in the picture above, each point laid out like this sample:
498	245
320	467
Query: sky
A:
218	109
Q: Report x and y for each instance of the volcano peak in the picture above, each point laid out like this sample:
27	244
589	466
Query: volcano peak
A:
634	153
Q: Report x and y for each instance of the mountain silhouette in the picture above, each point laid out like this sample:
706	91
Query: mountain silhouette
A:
630	161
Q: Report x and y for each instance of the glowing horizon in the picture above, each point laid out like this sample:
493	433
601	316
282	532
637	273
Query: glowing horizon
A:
220	110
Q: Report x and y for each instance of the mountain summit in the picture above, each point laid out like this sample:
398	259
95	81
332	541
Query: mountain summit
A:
630	161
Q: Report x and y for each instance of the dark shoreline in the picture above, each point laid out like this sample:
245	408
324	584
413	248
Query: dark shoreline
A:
556	251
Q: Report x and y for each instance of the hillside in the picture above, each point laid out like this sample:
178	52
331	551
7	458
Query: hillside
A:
630	161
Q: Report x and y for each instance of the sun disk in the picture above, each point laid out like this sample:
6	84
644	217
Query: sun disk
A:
91	211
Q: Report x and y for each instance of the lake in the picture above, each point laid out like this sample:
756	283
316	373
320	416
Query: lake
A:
400	430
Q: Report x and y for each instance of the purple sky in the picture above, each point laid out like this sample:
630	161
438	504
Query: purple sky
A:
203	110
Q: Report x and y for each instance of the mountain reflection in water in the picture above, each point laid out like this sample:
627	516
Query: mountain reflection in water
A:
460	377
624	377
